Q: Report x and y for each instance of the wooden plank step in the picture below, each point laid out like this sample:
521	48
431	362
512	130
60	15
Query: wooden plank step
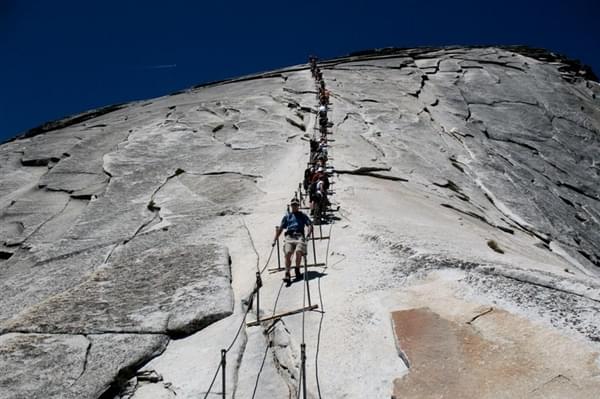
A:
277	316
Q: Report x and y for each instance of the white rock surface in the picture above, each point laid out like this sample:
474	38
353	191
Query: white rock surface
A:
468	180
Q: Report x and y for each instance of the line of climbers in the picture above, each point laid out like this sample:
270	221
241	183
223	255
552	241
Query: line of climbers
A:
297	226
316	184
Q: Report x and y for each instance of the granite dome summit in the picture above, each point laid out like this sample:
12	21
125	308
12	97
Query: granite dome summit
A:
464	261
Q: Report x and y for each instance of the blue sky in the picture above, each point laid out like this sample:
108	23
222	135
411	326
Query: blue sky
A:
63	57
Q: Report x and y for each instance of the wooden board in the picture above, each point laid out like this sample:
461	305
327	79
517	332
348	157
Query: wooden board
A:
277	316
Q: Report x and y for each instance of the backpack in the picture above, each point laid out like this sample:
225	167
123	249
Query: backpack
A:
307	178
312	188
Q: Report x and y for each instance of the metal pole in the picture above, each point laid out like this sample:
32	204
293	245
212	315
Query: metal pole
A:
258	285
223	364
312	236
306	280
303	357
278	254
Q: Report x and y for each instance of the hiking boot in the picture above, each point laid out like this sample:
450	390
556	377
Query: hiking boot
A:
298	273
287	278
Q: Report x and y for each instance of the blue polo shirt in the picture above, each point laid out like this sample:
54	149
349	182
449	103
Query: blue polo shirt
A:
295	222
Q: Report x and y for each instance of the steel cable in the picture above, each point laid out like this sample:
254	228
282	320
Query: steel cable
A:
322	315
213	381
268	260
304	293
326	263
229	348
239	330
267	347
237	334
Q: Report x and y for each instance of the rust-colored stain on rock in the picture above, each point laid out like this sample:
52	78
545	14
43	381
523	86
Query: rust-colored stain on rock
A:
451	360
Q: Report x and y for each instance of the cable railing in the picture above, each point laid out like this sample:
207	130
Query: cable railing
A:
321	216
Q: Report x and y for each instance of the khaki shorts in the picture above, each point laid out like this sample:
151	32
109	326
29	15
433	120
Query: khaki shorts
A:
294	244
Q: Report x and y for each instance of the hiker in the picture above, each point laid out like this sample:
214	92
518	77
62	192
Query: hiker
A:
320	153
322	148
314	147
321	157
321	175
313	64
318	196
319	184
294	223
308	173
323	120
322	110
320	164
324	96
323	130
322	186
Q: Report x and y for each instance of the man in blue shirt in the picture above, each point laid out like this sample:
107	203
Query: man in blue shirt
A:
294	223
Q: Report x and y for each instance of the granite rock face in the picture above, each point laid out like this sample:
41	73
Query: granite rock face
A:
484	123
127	231
113	226
93	362
117	296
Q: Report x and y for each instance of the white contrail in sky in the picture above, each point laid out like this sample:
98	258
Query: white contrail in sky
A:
162	66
